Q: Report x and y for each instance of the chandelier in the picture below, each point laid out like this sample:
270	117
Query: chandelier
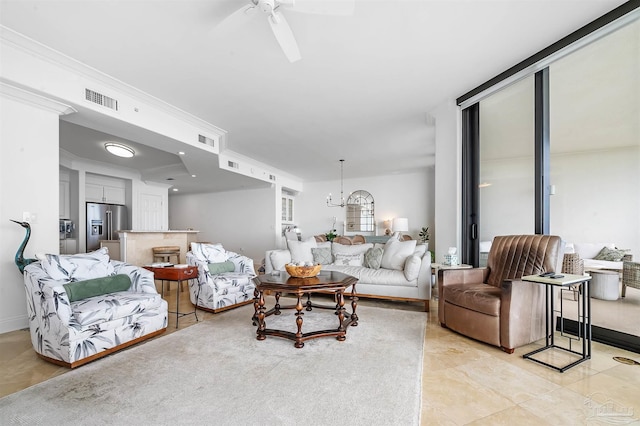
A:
330	202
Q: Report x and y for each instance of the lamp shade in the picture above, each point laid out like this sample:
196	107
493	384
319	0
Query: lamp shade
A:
400	224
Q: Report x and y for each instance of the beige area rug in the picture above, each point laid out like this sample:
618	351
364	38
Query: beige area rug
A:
216	372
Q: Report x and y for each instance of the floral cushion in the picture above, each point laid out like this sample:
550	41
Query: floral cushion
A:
113	306
78	267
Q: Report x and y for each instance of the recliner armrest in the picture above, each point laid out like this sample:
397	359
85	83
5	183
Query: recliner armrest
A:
521	313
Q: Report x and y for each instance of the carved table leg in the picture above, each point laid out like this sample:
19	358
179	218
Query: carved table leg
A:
340	296
299	343
254	318
354	305
261	324
277	307
309	302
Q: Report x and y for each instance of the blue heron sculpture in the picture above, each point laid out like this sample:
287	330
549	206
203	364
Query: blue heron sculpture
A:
20	260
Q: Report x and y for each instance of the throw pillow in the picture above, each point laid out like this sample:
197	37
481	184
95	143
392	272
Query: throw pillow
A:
301	250
373	258
96	287
322	255
412	267
221	267
612	255
78	267
279	258
348	259
396	252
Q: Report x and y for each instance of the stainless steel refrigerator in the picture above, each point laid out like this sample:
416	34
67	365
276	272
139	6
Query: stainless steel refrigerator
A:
103	223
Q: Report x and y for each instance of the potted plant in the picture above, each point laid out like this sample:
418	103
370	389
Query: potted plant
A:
424	236
331	235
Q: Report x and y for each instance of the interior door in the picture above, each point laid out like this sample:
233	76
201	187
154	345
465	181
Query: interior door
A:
150	212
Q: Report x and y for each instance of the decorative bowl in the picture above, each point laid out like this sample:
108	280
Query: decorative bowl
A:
303	271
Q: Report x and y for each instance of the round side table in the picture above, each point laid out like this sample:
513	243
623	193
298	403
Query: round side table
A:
604	285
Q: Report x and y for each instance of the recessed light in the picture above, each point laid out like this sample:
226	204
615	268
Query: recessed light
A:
119	149
193	175
175	189
180	152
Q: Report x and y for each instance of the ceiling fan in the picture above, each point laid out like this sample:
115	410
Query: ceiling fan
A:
273	10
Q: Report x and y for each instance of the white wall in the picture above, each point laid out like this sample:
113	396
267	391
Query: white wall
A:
243	221
448	175
407	195
246	221
28	183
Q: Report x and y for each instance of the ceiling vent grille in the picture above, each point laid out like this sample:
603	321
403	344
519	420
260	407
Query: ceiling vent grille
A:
233	164
205	140
100	99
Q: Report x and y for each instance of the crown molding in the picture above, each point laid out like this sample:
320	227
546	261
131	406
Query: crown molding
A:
33	99
52	56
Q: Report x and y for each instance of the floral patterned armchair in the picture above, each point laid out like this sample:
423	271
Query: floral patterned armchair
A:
72	333
225	278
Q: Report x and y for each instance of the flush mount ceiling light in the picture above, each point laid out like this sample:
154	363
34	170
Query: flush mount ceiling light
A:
119	149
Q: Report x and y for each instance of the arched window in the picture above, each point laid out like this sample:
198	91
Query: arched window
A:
360	212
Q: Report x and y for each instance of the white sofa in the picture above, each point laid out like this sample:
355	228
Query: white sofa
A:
404	272
72	332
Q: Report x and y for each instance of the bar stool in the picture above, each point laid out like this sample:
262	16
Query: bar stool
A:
164	254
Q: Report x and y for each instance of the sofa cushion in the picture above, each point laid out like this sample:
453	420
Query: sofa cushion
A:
483	298
279	258
396	252
221	267
353	259
385	277
78	267
322	255
79	290
337	248
612	255
601	264
108	307
209	253
301	250
373	258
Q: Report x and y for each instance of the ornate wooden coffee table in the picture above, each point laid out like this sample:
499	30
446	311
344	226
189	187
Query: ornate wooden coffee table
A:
326	282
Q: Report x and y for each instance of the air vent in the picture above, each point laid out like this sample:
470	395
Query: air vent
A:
205	140
100	99
233	164
272	177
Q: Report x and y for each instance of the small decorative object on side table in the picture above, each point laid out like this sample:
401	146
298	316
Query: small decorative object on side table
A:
177	273
551	280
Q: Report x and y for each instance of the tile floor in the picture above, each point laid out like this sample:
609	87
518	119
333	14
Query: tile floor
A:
463	381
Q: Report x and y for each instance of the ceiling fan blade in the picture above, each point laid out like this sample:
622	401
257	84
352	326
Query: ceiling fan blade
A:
284	35
322	7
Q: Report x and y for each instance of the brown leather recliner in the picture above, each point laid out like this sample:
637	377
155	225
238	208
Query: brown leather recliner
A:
492	304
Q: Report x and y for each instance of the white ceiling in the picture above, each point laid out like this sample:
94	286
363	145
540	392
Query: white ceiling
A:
363	88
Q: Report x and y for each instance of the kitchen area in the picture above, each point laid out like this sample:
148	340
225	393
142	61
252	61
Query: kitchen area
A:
124	214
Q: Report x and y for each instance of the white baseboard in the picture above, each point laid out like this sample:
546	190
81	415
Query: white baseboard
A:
14	323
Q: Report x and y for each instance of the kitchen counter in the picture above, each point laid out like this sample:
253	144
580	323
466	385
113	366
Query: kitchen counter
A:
136	246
